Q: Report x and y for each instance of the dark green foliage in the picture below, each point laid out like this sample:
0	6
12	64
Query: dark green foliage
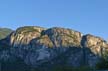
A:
68	68
103	64
17	65
64	68
4	32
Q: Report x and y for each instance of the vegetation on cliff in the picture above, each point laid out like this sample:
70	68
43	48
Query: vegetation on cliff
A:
4	32
59	49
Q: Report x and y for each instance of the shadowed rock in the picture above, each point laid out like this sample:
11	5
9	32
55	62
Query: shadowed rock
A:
38	46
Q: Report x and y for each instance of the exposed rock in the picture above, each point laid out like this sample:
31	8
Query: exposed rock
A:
38	46
61	37
95	44
22	36
94	48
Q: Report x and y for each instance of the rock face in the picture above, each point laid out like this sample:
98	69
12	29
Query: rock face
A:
38	46
22	36
97	47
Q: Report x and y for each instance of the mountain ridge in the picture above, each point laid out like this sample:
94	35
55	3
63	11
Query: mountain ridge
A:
38	46
4	32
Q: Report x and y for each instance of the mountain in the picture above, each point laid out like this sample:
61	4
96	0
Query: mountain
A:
4	32
43	48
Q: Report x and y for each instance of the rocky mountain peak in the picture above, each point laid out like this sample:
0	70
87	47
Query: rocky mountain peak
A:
57	37
37	46
23	35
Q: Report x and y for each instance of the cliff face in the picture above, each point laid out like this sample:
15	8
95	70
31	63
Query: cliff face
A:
94	48
38	46
22	36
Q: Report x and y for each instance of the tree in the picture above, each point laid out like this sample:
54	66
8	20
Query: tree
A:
103	64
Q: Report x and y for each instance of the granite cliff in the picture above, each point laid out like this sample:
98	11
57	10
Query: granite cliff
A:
37	46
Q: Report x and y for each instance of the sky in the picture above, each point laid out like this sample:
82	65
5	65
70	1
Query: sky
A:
86	16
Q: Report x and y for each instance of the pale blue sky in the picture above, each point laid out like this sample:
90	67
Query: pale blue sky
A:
86	16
